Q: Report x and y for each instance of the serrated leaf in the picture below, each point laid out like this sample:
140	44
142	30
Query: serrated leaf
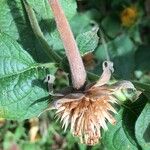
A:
142	128
23	94
87	41
115	138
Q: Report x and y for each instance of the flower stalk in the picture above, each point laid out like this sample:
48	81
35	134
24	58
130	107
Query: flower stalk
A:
75	61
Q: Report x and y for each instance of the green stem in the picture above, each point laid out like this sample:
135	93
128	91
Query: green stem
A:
92	76
39	35
104	45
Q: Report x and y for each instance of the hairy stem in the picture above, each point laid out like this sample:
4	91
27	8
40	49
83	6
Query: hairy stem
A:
39	34
75	61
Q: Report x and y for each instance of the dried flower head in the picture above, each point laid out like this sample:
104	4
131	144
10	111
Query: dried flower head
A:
88	111
129	16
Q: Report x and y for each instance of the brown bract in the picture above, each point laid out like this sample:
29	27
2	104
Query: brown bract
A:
87	112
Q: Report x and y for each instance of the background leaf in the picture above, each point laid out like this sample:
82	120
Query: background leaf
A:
112	26
120	50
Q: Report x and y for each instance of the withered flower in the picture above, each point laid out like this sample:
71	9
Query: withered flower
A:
87	111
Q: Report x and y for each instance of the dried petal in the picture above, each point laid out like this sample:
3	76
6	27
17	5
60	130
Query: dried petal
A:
105	77
88	112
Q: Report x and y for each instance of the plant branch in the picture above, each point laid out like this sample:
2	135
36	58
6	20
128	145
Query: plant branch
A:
39	35
75	61
104	45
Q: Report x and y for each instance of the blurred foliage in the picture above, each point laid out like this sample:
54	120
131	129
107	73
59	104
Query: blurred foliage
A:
24	65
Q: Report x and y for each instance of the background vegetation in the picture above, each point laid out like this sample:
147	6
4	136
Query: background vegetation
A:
125	26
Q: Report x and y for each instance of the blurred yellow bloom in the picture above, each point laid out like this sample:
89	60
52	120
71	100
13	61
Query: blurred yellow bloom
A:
2	122
34	128
129	16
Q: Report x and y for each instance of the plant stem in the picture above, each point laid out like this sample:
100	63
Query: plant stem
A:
104	45
92	77
75	61
39	35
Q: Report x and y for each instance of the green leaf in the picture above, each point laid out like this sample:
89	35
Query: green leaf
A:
23	94
142	128
115	138
13	22
142	58
87	41
120	50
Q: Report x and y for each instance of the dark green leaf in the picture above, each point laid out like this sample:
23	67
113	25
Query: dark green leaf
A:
130	114
142	128
142	58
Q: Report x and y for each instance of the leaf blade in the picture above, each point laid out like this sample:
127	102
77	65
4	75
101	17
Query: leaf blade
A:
23	94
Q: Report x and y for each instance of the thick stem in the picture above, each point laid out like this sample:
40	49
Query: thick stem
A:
75	61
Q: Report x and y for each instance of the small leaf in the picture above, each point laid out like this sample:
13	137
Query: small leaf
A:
23	94
87	41
142	128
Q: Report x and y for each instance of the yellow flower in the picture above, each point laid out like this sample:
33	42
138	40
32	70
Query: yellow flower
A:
129	16
87	111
